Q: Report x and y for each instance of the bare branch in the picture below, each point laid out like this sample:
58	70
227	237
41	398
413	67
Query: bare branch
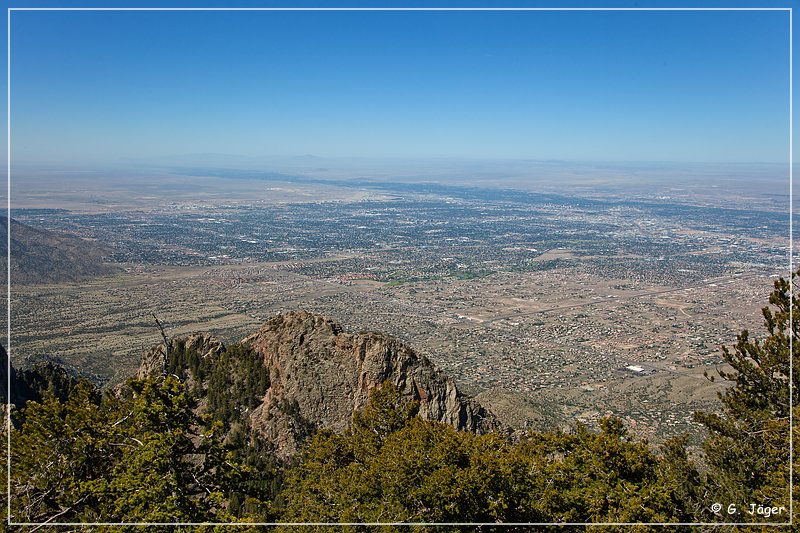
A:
65	511
166	341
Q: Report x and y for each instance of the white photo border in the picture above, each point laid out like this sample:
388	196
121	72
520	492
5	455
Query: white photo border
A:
8	273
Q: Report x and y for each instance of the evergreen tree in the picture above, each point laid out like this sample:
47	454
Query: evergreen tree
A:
62	457
748	448
393	466
171	468
141	457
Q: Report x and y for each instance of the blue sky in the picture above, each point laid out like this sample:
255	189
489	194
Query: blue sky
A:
636	86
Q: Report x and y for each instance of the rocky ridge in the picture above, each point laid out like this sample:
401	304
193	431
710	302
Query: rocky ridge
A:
320	375
204	344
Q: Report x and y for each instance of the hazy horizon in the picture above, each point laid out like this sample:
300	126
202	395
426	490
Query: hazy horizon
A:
101	87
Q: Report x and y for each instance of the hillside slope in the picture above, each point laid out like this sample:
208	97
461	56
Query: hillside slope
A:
40	256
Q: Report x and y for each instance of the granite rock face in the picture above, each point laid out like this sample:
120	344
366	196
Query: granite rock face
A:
320	375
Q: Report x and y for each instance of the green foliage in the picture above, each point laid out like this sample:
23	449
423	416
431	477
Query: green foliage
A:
141	457
393	466
61	458
386	412
232	384
45	378
181	357
748	448
586	477
170	468
148	453
237	381
154	453
681	480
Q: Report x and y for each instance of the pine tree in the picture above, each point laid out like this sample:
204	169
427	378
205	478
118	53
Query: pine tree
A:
145	456
62	456
747	451
393	466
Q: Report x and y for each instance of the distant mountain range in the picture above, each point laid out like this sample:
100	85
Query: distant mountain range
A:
41	256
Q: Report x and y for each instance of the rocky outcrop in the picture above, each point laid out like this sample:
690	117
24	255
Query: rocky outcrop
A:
203	344
44	377
319	376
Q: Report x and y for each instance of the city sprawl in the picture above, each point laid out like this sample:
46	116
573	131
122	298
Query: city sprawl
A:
549	307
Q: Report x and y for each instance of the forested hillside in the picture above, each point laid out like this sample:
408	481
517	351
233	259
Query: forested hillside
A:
177	445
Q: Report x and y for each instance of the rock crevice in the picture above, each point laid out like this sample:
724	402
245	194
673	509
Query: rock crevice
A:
318	376
329	375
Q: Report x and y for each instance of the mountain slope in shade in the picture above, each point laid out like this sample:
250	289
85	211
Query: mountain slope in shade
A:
40	256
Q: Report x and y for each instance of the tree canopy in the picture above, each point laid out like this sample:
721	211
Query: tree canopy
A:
747	451
177	448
